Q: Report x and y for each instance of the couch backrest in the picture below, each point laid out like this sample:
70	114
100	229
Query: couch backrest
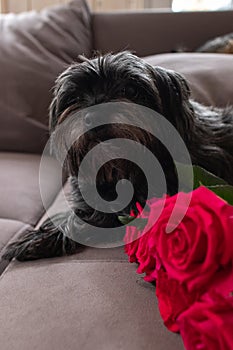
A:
151	32
36	47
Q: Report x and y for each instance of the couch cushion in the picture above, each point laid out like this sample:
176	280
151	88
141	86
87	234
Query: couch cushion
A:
80	305
35	47
209	75
20	189
9	230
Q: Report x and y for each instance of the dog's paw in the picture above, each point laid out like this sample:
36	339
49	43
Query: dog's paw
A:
47	242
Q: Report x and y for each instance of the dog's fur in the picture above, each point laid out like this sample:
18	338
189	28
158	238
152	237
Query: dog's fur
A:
207	132
221	44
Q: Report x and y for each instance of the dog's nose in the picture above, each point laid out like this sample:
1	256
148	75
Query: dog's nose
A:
88	119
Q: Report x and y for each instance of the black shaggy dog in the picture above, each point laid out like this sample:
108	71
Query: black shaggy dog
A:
206	131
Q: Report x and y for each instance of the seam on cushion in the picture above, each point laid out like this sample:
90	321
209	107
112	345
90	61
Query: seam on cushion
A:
6	263
53	201
49	262
42	263
94	261
44	210
21	230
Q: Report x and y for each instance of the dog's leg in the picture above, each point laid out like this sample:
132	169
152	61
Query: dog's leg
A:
49	241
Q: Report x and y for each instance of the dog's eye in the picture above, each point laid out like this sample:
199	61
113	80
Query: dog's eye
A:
130	91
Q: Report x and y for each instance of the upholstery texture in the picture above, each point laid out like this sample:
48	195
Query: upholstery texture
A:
9	230
60	204
35	47
84	305
207	74
151	32
20	191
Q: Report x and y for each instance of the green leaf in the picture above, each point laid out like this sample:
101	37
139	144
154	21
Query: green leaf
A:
140	223
205	178
201	177
185	176
223	191
125	220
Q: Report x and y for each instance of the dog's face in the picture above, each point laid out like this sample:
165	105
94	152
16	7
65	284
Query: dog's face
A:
119	77
122	77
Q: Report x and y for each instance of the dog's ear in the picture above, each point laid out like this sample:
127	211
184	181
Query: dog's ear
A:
64	96
174	95
57	105
53	114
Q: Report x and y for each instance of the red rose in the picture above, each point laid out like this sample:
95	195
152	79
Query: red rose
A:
147	262
136	247
199	245
138	251
192	266
222	283
131	243
173	299
131	238
208	325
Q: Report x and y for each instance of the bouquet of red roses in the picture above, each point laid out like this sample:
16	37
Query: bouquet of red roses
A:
192	265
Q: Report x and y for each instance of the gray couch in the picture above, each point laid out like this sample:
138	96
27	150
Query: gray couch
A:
95	299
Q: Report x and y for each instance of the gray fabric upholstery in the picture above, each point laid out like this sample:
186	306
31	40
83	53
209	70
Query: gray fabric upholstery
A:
208	75
35	47
9	230
20	189
84	305
152	32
